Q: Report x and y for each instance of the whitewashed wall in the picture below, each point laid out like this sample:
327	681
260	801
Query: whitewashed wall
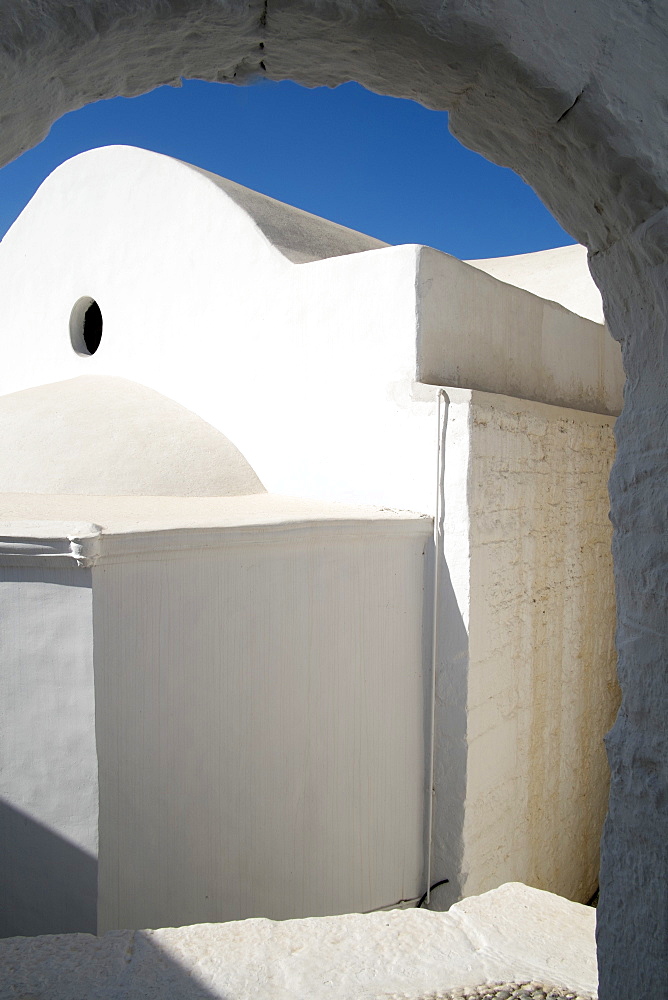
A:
48	760
324	637
529	690
477	332
311	369
261	726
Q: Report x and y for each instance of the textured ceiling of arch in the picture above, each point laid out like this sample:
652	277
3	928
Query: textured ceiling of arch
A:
543	88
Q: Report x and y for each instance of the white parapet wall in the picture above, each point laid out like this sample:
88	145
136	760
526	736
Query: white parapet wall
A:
514	934
258	698
476	332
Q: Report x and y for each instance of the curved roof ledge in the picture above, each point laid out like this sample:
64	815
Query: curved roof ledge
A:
298	235
153	182
105	436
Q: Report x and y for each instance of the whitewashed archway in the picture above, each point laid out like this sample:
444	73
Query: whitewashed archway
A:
573	97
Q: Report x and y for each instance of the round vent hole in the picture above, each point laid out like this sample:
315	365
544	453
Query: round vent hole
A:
86	326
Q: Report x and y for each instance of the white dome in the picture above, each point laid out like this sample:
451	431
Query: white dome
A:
105	436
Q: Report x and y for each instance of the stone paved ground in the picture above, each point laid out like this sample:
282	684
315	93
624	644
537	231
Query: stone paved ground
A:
507	991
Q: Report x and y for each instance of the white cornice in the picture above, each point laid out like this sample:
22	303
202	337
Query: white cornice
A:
37	543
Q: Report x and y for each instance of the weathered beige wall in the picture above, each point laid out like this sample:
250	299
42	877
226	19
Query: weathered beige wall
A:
541	690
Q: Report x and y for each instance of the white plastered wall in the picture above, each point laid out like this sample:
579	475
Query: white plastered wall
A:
199	305
48	759
310	369
585	86
261	724
542	687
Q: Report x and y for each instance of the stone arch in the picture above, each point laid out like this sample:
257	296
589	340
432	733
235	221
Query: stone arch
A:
571	96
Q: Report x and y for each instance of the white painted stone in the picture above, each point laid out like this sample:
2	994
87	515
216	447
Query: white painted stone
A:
111	437
542	686
572	97
560	275
259	703
511	934
143	474
526	668
199	304
635	911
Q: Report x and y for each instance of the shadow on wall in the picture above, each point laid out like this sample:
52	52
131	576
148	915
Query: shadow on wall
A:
47	884
125	964
450	752
450	728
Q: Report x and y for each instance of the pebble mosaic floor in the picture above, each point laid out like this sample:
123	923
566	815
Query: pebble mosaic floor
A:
505	991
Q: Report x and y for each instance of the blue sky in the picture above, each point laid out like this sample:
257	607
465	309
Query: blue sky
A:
387	167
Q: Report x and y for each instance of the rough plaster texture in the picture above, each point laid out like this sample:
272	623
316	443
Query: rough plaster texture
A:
513	933
560	87
526	664
633	920
541	685
572	97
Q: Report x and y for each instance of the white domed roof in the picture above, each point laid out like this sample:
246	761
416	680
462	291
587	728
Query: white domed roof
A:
106	436
298	235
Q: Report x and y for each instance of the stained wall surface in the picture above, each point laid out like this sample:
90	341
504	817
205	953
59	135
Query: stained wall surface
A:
48	759
542	687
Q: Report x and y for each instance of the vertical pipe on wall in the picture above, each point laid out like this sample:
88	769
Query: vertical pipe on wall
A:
442	423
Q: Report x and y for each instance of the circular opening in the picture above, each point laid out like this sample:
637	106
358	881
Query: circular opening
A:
86	326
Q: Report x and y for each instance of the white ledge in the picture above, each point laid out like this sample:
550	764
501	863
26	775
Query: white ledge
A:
514	933
126	527
61	543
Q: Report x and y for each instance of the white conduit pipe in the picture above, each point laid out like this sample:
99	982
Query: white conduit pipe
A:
441	428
